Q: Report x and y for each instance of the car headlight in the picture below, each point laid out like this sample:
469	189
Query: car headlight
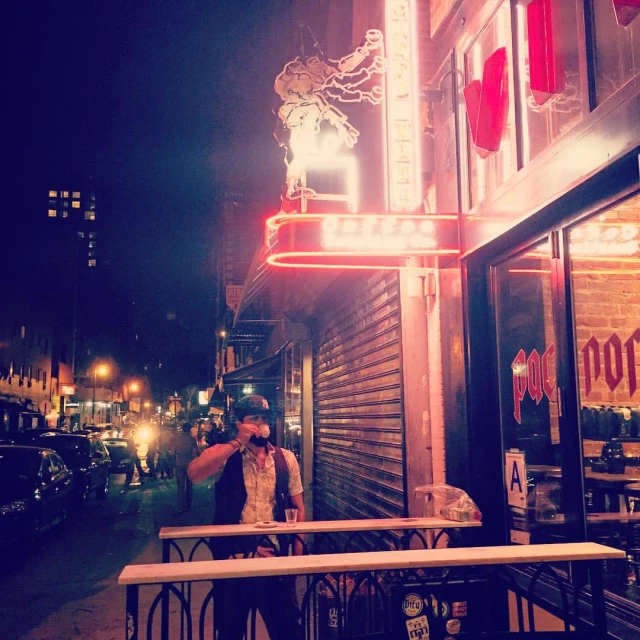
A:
144	434
13	507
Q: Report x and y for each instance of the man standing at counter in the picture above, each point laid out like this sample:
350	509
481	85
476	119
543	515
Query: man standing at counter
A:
258	481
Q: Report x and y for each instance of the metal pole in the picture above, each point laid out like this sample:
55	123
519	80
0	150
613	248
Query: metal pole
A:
93	404
131	623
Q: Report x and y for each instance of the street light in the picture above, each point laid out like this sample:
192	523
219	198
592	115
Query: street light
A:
100	370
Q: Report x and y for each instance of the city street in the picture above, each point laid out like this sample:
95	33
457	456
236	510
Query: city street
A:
68	587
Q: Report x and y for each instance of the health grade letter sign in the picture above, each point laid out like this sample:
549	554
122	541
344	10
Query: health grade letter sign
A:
357	240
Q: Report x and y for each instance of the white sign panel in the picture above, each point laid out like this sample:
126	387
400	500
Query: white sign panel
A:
516	479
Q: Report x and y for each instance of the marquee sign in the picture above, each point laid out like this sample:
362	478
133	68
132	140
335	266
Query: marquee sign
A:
358	241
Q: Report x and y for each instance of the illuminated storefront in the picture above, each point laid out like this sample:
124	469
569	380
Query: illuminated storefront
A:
518	336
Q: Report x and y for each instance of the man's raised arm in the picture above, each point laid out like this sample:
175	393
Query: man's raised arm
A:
211	460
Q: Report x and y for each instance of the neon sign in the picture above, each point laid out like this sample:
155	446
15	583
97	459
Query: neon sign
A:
358	241
546	65
403	133
308	86
487	104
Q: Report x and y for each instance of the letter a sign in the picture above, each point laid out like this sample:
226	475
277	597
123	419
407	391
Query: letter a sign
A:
516	479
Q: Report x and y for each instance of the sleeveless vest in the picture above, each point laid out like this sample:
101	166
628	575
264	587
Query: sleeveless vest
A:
231	495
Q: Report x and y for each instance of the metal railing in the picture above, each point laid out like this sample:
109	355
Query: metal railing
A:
379	594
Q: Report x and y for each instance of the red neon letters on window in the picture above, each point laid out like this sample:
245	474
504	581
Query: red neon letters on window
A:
626	11
546	65
487	104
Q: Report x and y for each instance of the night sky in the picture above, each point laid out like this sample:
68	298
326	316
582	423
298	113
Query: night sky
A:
163	102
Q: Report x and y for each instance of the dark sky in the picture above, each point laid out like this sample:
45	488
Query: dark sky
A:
162	101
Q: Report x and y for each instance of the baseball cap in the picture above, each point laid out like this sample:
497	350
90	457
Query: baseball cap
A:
252	405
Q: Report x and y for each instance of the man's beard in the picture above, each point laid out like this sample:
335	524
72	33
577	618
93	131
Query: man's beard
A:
259	441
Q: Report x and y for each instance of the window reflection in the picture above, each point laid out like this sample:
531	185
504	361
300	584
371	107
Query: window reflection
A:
605	265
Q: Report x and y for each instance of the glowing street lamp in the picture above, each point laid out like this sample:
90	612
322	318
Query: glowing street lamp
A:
99	370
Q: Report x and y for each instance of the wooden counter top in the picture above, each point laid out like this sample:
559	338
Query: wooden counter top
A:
314	526
368	561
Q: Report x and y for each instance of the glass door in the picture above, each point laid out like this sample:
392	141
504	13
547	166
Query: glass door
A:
604	275
529	411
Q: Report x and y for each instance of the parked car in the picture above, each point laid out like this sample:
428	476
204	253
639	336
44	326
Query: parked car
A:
36	489
120	452
30	436
87	458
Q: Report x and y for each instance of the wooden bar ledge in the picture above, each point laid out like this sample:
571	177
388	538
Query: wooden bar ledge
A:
367	561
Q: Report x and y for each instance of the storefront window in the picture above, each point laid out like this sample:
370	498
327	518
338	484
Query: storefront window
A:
527	354
551	85
605	283
488	170
617	47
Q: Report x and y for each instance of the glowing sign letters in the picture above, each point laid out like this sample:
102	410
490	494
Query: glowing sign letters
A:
358	241
546	65
532	374
594	240
487	104
403	133
613	362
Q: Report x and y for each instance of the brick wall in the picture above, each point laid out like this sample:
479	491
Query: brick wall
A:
607	313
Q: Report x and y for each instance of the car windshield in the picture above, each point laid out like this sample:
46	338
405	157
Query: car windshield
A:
18	465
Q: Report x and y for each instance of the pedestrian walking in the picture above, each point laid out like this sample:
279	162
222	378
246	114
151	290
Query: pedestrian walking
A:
135	462
165	454
186	450
152	451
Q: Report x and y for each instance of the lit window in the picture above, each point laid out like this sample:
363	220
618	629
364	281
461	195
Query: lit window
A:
53	194
81	234
89	215
23	332
92	234
92	262
64	194
52	213
92	245
75	204
65	214
76	194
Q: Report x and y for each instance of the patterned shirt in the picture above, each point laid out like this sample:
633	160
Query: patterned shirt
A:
260	484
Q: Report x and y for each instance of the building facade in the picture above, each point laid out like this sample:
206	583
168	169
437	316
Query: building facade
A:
509	370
